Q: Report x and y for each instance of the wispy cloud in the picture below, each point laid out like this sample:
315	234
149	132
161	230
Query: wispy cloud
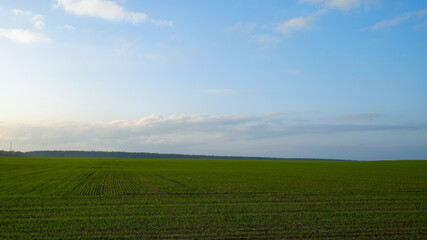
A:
295	24
241	27
399	19
220	91
265	39
361	116
18	12
124	48
36	19
391	22
162	23
69	27
107	10
26	35
342	4
305	23
23	36
421	13
293	72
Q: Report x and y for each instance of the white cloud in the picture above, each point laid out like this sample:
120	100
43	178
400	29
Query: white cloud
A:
175	132
69	27
36	19
19	12
264	38
342	4
104	9
107	10
399	19
153	130
23	36
295	24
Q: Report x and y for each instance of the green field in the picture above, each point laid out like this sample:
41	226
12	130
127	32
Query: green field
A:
48	198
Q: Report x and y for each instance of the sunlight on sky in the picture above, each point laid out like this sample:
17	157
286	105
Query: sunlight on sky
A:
307	78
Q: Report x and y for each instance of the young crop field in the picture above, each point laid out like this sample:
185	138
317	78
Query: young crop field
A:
63	198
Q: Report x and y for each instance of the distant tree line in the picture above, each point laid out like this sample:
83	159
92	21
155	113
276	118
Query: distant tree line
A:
105	154
11	154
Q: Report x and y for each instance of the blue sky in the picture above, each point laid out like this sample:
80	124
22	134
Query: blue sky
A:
307	78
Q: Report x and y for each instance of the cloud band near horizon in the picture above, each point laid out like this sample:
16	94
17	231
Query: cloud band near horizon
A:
169	133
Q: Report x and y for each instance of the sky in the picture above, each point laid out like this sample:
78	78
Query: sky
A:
342	79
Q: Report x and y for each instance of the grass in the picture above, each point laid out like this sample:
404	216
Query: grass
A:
47	198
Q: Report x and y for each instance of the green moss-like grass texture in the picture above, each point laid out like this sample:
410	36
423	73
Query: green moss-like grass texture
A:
74	198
